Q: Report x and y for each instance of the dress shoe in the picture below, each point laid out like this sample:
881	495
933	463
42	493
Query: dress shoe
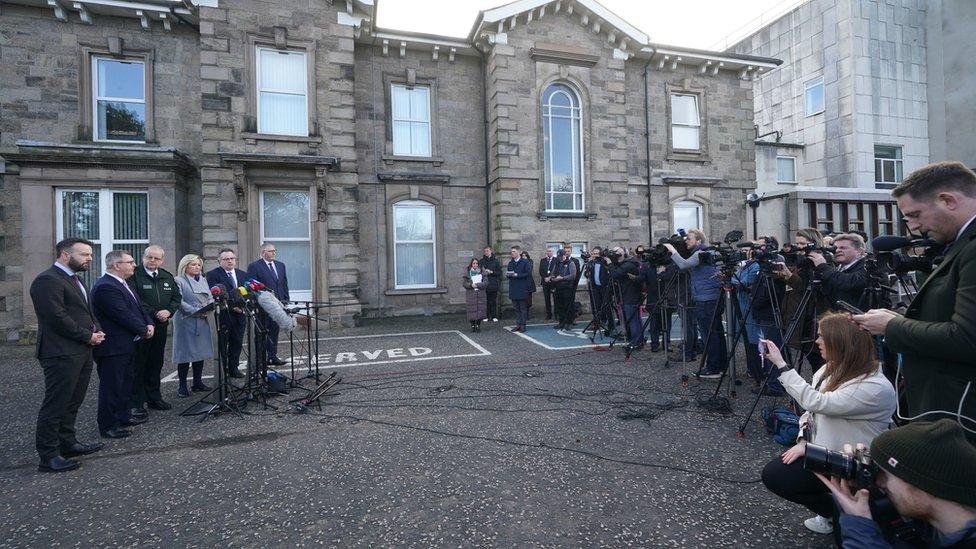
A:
80	449
277	362
182	392
160	405
235	373
58	464
135	420
140	413
548	317
200	387
117	432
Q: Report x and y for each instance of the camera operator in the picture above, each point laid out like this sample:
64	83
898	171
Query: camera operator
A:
629	280
797	278
563	277
848	400
847	279
928	471
937	335
705	291
761	318
652	297
597	275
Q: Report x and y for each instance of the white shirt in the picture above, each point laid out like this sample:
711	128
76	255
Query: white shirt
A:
150	273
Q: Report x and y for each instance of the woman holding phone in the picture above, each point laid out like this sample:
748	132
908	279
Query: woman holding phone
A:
848	401
476	299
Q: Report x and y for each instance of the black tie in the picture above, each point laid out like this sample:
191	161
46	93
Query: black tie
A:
154	275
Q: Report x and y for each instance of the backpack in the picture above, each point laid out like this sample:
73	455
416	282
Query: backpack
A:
782	423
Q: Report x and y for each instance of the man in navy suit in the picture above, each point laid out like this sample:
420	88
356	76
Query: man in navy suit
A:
271	273
230	337
124	322
66	333
519	274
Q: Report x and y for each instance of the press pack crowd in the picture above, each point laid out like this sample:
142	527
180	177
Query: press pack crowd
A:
925	467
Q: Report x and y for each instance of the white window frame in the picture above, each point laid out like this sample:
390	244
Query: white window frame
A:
898	164
686	204
411	121
696	125
295	295
807	86
432	242
106	219
96	98
303	132
791	159
576	119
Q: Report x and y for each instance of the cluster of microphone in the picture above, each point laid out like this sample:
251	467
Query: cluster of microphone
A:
249	289
255	291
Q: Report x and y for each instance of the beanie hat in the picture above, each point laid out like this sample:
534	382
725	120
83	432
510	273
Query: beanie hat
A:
932	456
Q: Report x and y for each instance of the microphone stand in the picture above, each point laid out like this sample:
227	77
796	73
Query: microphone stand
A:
223	403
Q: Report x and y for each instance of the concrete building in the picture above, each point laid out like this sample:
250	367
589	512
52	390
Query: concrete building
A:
378	161
951	85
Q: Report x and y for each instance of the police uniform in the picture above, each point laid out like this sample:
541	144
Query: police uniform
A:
156	293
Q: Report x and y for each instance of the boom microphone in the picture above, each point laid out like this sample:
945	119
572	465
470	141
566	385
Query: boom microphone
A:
889	243
276	311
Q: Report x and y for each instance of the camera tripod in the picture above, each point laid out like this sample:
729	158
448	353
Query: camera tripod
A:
603	316
224	389
661	309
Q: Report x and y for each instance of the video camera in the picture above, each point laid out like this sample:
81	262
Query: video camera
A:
605	253
797	255
887	246
726	253
659	256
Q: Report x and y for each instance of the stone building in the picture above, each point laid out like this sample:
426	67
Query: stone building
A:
378	161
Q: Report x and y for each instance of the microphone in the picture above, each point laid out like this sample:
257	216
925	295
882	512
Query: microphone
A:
889	243
255	285
219	292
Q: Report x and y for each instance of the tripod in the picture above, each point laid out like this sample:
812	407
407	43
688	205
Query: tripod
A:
223	403
660	308
255	385
602	313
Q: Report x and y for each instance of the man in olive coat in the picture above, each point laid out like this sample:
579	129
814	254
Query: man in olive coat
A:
937	335
160	298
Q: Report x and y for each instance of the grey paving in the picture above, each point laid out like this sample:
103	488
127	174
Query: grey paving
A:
520	448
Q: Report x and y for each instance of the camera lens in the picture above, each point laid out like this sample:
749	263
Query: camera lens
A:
818	459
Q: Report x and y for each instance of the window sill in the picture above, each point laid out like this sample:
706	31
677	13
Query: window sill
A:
787	182
416	291
544	215
251	138
434	160
689	156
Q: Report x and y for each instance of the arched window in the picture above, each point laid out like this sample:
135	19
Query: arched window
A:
562	149
414	245
687	215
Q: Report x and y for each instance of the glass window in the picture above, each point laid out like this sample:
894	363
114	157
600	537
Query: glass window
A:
112	220
282	78
414	245
285	222
685	122
887	164
687	215
562	149
786	169
119	99
813	96
411	120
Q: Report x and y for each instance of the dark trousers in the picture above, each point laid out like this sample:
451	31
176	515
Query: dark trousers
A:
65	385
632	320
794	483
521	311
710	327
492	306
564	304
149	367
689	328
268	346
601	310
758	368
230	341
183	368
657	332
115	376
547	294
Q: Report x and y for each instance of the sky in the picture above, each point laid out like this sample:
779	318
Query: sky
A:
701	24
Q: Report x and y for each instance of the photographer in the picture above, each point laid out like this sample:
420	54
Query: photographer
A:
761	322
597	275
563	277
849	400
628	278
652	298
847	279
705	291
797	278
928	471
937	335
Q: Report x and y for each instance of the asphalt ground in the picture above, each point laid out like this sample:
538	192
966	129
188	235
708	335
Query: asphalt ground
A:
522	447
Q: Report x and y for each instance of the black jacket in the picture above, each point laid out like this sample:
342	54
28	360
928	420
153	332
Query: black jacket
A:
155	294
219	276
492	281
846	285
650	283
630	287
568	271
278	285
65	322
545	265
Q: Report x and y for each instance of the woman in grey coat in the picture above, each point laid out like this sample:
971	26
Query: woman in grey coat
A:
475	296
192	334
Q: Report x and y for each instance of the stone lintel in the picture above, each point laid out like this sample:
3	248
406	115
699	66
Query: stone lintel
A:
101	156
414	177
692	180
543	216
563	55
280	160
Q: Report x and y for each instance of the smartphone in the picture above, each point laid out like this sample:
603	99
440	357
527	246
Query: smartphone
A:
762	348
849	308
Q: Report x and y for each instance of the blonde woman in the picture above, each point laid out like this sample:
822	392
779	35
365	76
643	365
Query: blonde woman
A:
192	333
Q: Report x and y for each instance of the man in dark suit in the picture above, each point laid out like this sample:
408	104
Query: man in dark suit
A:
160	299
598	279
519	275
66	333
937	335
230	336
271	273
491	271
545	266
125	323
847	280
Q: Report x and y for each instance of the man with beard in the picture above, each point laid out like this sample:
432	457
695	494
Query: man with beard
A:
66	333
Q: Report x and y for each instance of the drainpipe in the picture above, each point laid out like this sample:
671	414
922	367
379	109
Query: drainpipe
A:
647	151
484	111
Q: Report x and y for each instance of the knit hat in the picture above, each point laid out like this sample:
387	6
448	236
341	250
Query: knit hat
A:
932	456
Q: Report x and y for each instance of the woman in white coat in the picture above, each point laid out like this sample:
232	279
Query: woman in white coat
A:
192	333
849	401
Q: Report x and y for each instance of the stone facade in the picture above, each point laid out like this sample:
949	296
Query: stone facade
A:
207	165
